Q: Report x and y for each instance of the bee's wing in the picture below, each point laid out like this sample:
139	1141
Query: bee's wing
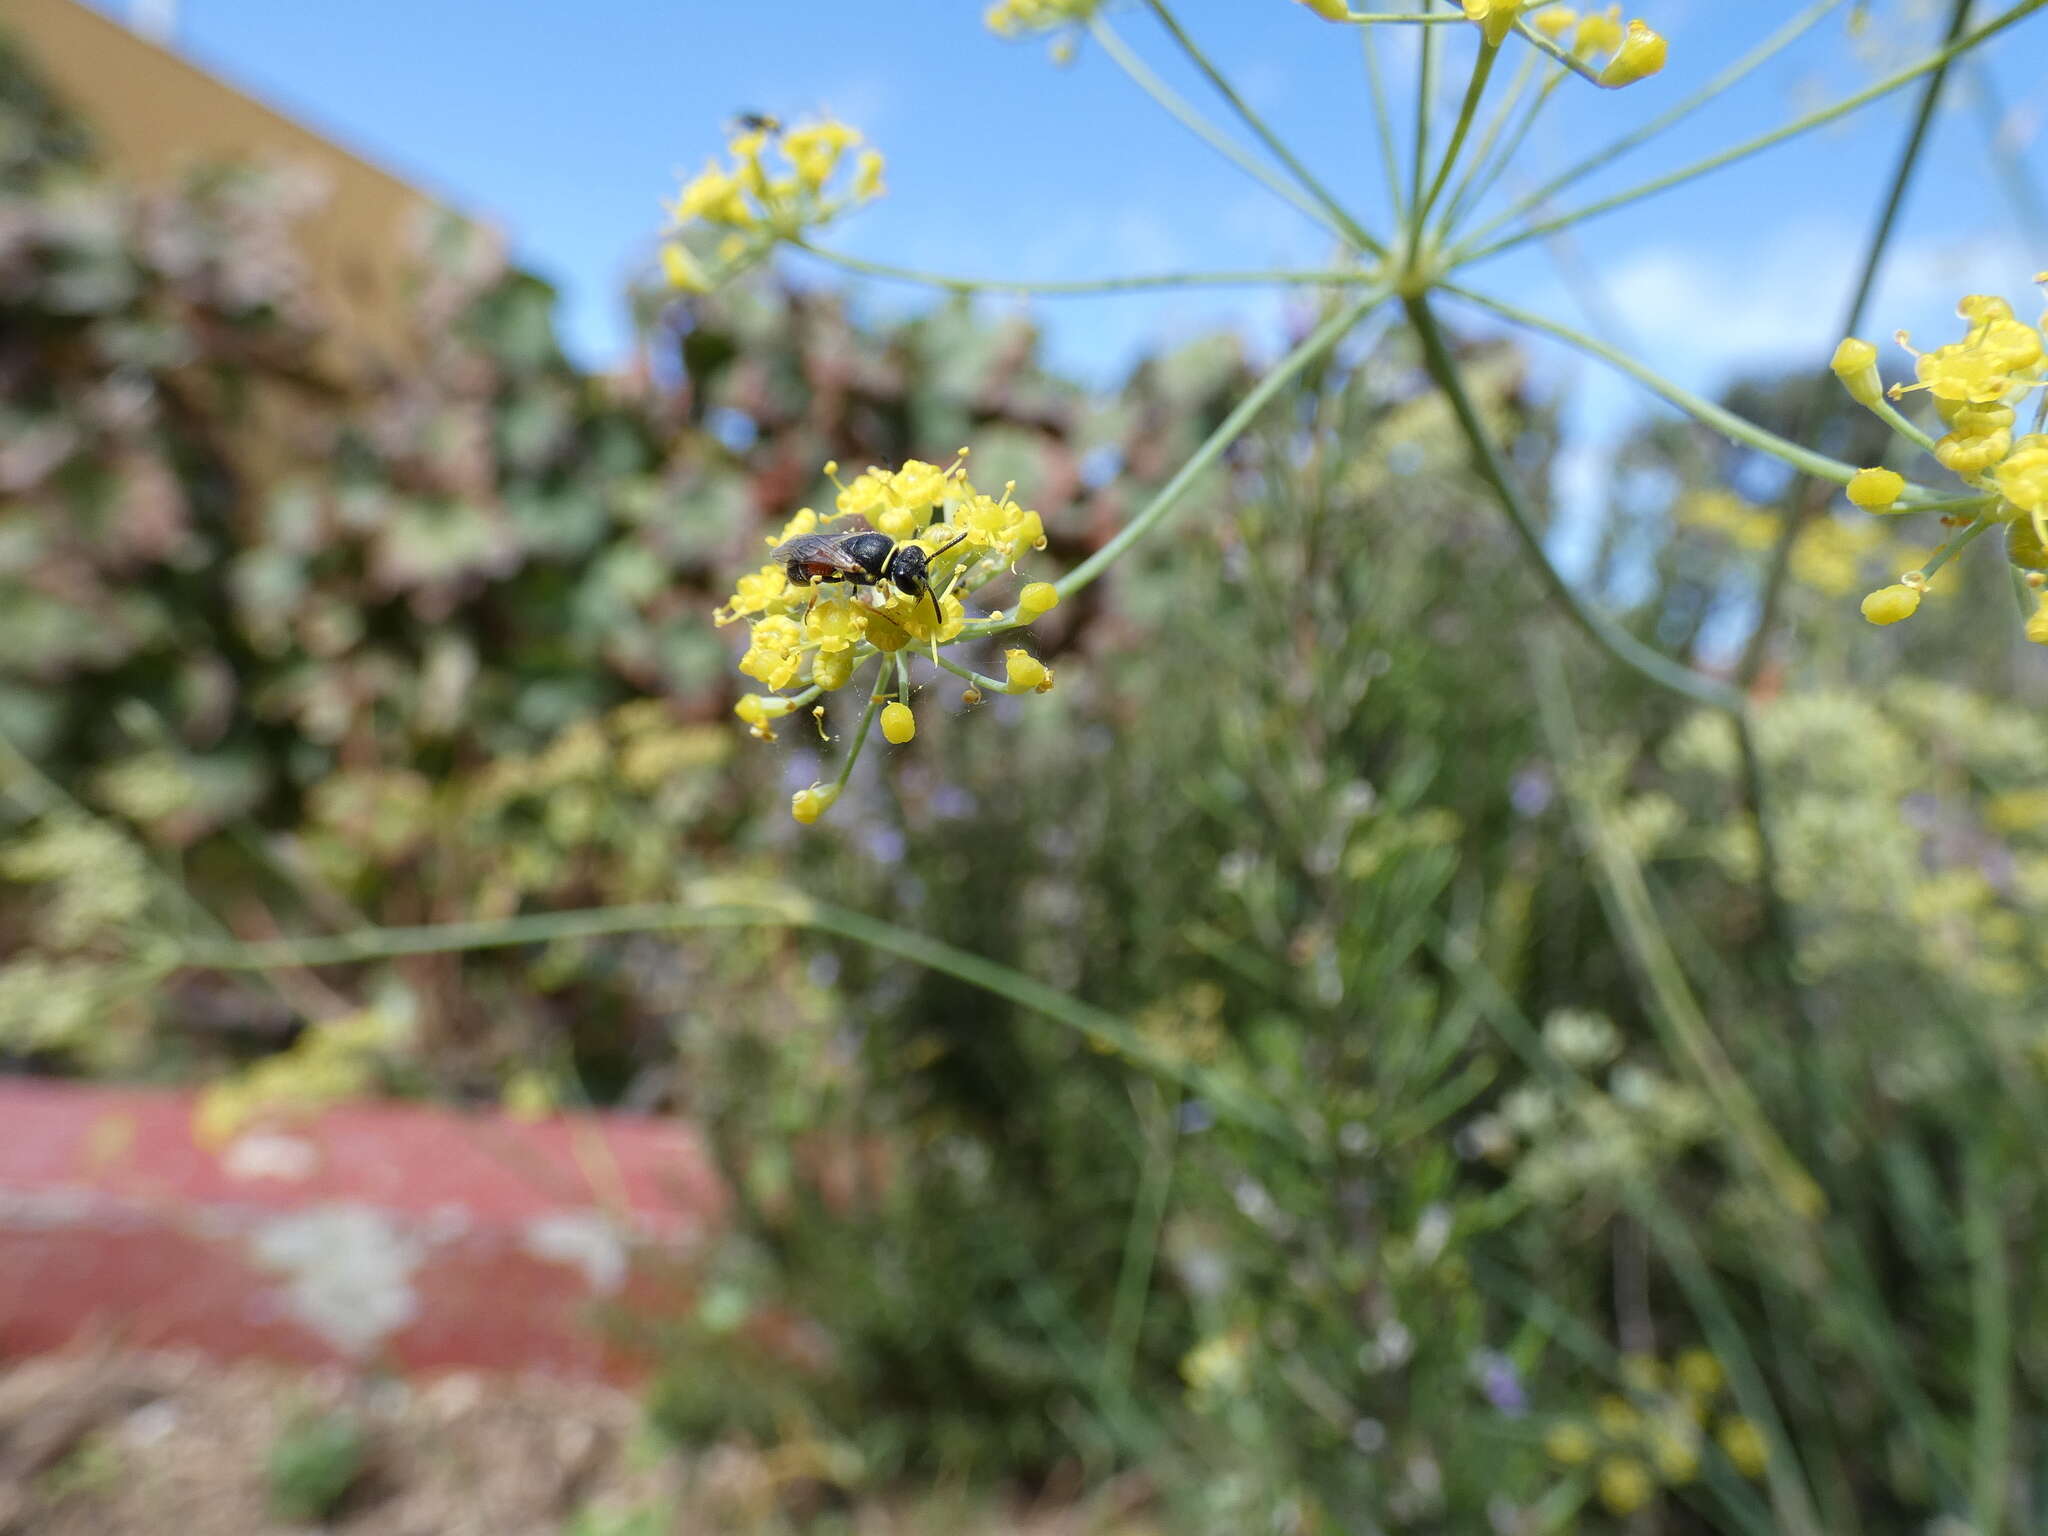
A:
826	549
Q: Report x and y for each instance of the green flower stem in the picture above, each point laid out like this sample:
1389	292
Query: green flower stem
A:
1956	546
1483	183
1425	96
1353	230
1486	459
1482	157
1141	1246
1319	341
1812	120
1723	420
1558	52
1395	18
986	684
1892	417
1792	514
1475	90
1136	282
1176	107
1991	1352
2023	594
1769	49
867	719
741	904
1383	127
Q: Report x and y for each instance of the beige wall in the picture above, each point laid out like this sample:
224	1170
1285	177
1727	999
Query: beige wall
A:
154	116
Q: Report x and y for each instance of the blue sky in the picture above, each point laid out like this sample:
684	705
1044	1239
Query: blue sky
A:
567	126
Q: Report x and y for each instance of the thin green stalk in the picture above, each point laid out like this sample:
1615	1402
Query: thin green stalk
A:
1425	94
1064	287
867	719
1475	89
1719	417
1482	160
1486	459
1413	18
1557	52
1896	419
990	684
1806	124
1141	1246
2023	594
1681	1021
1482	184
1956	546
1991	1355
1273	142
1383	129
1324	337
1600	159
1791	515
723	903
1177	107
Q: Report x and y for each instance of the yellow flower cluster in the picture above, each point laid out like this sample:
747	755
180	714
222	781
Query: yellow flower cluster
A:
1655	1434
1977	385
813	639
1016	18
751	202
1631	53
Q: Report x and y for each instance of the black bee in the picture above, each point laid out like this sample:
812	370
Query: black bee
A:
861	557
756	122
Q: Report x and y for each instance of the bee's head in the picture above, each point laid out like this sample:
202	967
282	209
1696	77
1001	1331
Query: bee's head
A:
909	568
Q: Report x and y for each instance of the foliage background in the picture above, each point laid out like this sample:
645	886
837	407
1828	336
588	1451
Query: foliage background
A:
1321	807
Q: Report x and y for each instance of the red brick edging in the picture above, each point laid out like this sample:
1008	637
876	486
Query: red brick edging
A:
392	1234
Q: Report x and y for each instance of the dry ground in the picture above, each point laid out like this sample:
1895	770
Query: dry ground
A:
112	1443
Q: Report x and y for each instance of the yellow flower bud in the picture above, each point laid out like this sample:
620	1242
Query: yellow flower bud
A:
1876	490
1888	605
1617	1417
1642	1373
970	696
760	708
1496	18
2023	546
898	724
1554	21
807	805
832	669
1597	33
1699	1372
1640	56
1038	597
1969	454
682	270
867	175
1023	670
1674	1446
1855	364
1329	10
1625	1484
1745	1446
2023	478
1570	1444
2037	625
